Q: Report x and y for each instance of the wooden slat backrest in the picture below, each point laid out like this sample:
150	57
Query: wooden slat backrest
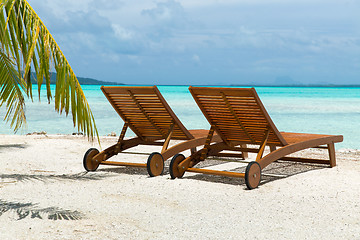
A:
146	112
237	114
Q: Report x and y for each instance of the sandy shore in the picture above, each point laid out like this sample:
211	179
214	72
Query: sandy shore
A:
46	194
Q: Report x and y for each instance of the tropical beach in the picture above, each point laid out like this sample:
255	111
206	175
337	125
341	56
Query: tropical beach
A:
218	119
51	195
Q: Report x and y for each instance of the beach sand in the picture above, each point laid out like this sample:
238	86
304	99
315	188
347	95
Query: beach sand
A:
45	193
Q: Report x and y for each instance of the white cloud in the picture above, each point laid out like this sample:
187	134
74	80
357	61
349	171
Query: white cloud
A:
246	31
196	58
112	5
135	59
122	33
169	13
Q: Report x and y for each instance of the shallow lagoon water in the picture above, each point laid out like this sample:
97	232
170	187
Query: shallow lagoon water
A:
326	110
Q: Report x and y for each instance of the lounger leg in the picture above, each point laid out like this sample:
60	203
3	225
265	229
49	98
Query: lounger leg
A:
331	149
263	144
193	150
123	131
244	154
272	148
167	140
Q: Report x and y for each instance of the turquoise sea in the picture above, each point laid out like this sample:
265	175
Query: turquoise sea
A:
327	110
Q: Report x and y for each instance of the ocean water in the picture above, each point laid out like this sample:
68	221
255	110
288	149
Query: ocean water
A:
310	110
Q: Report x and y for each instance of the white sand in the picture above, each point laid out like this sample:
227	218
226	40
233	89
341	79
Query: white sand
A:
43	177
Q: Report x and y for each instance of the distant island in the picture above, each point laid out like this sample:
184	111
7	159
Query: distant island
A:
287	81
299	85
82	80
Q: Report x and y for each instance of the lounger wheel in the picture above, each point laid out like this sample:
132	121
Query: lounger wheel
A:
253	175
155	164
89	163
173	168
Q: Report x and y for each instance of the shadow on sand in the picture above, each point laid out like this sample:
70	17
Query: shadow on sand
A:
124	170
46	178
16	146
273	172
30	210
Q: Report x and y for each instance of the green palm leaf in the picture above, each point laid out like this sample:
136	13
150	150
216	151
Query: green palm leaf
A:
27	45
11	92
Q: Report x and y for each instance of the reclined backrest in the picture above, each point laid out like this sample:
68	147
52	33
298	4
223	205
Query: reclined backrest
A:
147	113
237	115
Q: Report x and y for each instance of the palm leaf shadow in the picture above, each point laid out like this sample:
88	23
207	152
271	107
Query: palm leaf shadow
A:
84	176
31	210
6	146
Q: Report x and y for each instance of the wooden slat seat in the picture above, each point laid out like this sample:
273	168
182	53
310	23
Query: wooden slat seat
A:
291	137
239	117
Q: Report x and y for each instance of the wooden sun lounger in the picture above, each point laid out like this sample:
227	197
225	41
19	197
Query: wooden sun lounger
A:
147	114
238	117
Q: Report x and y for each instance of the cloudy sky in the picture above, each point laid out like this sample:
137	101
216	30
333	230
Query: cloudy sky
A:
208	41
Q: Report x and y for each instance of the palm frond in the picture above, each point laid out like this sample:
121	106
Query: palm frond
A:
27	42
11	93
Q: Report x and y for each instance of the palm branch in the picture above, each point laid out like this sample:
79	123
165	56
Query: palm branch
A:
11	92
27	46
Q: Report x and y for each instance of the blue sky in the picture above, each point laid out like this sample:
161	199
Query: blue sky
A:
208	41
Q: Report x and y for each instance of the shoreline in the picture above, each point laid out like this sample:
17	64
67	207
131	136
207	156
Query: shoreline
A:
46	193
115	136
